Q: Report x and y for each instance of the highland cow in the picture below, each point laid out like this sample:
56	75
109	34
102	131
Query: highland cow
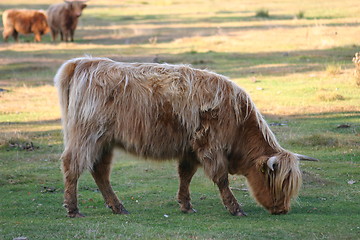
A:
24	21
162	111
63	18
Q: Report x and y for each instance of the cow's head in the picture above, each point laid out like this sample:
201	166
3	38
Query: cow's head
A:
275	180
76	7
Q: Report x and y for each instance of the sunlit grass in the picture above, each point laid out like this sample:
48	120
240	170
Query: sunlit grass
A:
28	100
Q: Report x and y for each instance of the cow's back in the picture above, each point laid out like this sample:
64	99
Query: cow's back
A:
55	15
20	20
153	110
25	21
138	106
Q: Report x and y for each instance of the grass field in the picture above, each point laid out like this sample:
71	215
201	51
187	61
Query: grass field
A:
296	63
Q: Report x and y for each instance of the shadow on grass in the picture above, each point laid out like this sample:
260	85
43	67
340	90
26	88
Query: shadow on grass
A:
42	122
331	116
3	7
104	19
36	143
171	33
233	65
265	64
33	141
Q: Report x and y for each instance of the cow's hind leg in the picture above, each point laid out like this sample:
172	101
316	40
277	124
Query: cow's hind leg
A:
7	33
187	168
228	198
72	35
15	35
101	173
71	177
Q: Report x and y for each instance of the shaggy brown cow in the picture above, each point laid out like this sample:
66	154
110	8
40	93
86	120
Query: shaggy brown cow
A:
24	21
162	111
63	18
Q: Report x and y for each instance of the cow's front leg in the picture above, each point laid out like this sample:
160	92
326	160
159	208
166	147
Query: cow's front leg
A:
61	35
187	168
72	34
228	198
215	166
54	34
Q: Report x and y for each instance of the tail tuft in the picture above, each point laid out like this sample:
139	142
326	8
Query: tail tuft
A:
62	82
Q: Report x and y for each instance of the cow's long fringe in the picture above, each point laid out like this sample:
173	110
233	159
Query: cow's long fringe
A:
98	96
286	180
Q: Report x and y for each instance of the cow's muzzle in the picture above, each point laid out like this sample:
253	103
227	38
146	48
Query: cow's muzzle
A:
279	212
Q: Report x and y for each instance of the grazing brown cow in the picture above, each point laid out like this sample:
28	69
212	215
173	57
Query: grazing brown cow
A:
63	18
162	111
24	21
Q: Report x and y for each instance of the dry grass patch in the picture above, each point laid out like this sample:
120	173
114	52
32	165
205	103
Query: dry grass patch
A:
333	69
262	13
328	96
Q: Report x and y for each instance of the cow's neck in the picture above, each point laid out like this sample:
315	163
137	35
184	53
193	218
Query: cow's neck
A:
250	146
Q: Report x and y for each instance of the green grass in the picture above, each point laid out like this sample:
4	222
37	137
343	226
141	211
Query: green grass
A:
297	71
262	13
300	15
148	192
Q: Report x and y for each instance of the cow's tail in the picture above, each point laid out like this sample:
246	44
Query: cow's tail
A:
4	17
5	23
62	82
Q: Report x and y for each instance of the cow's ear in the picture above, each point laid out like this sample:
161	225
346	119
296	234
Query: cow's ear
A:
263	168
83	6
68	5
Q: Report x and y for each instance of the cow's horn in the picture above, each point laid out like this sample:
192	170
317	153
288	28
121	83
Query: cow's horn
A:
270	162
305	158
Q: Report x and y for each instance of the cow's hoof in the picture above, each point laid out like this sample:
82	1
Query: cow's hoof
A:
75	215
124	211
190	210
240	213
119	210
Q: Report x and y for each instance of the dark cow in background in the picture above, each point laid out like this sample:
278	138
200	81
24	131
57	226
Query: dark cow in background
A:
24	21
63	19
163	111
